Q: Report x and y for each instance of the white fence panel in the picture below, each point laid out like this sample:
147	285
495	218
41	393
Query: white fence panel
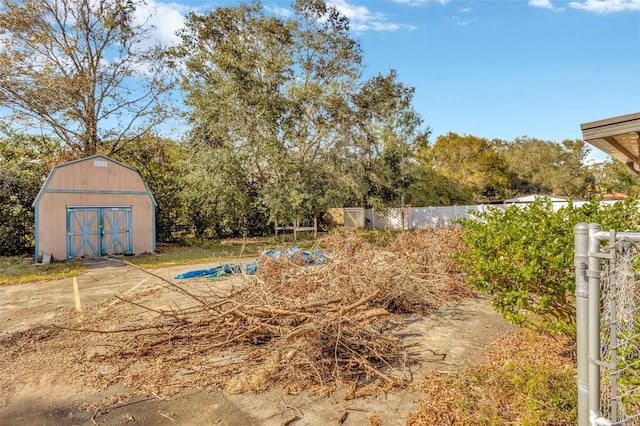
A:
422	217
413	218
354	217
391	218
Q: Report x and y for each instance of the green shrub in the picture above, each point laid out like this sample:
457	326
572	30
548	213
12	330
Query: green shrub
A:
524	257
23	169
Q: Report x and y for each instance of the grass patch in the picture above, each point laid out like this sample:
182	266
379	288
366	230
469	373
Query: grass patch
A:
529	380
14	271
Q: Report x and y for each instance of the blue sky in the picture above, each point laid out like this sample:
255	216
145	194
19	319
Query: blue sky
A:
496	69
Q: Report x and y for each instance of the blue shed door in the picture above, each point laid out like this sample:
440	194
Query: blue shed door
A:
98	231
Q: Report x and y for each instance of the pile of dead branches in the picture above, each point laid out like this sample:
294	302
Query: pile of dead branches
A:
292	325
415	273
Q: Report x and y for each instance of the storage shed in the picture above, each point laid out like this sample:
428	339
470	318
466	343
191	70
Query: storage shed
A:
94	207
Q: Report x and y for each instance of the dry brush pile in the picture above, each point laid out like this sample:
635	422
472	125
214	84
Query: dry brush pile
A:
290	325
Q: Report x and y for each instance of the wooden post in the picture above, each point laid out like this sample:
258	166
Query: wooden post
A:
295	230
315	228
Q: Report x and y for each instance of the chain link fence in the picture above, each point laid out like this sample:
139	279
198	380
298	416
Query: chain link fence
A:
608	322
620	334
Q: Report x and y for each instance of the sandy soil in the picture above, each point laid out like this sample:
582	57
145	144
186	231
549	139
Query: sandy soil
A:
41	367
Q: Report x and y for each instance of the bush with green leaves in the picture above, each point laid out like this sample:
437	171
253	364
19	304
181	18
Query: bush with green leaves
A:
23	169
524	257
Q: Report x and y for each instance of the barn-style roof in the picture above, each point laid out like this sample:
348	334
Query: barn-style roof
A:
617	136
99	160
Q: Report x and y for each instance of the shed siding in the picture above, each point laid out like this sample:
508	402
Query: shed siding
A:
82	184
52	219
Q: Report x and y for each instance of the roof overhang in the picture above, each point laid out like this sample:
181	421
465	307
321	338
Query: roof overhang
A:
617	136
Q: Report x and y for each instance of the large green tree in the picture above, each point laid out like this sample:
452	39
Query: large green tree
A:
613	176
429	187
547	167
83	71
279	102
236	62
472	162
163	164
387	134
327	65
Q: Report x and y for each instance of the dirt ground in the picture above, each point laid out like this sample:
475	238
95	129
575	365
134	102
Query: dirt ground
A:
43	383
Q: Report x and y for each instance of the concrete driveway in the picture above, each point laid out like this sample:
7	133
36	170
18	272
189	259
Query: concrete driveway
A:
23	306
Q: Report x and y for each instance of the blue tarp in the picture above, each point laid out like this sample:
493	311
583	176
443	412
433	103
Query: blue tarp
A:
222	271
250	268
294	253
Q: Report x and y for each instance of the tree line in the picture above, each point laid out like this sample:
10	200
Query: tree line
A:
281	123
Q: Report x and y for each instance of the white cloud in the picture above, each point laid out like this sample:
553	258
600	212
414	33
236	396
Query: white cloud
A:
167	19
361	19
597	6
279	11
544	4
360	13
606	6
421	2
466	10
463	22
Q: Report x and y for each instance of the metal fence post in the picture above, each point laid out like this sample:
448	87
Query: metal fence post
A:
594	275
581	235
613	336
